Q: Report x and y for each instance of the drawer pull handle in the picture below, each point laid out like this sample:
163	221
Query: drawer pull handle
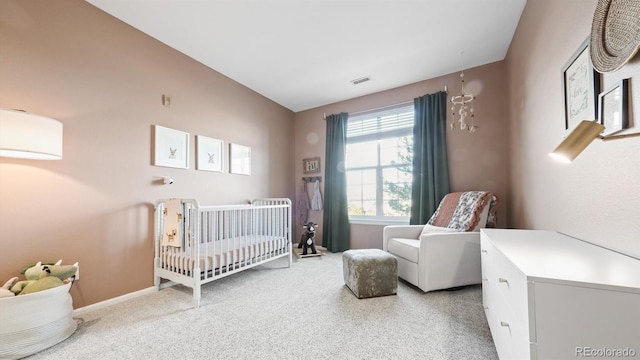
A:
503	280
484	251
506	324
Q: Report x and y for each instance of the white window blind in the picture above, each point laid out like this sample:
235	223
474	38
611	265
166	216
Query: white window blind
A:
380	124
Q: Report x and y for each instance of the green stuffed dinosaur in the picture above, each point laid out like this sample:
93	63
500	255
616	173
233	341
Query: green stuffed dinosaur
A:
42	277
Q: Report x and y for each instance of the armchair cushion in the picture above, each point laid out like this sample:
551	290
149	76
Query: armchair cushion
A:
405	248
430	229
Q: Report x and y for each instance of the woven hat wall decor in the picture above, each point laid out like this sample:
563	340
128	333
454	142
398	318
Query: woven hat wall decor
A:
615	34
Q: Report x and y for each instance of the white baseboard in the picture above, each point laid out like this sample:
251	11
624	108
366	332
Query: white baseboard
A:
113	301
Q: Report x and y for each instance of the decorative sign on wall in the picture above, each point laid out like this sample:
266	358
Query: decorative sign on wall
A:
581	85
311	165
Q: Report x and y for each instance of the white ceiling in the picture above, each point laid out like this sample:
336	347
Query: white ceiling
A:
304	53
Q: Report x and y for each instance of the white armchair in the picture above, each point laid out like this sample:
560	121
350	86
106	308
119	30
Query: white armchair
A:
440	257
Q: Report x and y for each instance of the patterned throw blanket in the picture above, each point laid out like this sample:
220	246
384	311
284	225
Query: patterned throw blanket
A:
462	210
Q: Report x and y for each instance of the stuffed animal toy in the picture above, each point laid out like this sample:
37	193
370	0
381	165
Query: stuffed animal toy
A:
44	282
5	291
306	240
62	272
42	277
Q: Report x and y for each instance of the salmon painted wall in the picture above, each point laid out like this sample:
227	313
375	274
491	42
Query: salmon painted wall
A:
597	197
104	81
477	161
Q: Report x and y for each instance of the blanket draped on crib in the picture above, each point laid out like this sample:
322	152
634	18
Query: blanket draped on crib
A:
172	235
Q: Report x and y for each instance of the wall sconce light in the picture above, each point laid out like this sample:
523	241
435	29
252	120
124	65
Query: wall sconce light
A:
580	138
29	136
577	141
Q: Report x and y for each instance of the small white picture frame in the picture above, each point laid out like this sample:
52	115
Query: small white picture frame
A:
170	147
210	154
240	159
614	108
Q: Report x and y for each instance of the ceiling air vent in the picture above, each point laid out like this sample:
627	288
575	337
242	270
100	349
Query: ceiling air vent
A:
361	80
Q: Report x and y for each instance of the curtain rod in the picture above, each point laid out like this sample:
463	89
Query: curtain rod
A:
381	108
324	115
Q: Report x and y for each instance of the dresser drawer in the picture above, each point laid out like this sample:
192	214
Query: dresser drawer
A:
486	256
501	337
486	250
501	279
488	295
505	299
510	285
510	332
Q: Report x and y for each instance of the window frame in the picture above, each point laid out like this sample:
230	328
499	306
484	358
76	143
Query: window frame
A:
379	168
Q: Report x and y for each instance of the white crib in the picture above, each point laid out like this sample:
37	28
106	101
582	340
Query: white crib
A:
197	244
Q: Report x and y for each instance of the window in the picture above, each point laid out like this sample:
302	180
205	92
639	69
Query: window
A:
379	155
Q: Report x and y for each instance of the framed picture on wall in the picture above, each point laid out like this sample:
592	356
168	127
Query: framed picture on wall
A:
170	147
240	160
613	105
581	86
311	165
209	155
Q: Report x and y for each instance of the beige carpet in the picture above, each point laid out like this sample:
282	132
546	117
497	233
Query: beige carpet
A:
260	313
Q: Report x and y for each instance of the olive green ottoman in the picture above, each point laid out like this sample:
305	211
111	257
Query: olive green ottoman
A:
370	272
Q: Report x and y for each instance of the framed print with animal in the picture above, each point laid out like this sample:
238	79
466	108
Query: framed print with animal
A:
209	155
170	147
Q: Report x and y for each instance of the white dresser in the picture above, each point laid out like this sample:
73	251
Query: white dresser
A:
550	296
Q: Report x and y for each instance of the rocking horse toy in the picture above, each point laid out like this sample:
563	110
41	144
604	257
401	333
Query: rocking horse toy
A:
306	241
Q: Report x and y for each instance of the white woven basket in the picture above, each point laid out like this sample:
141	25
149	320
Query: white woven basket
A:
36	321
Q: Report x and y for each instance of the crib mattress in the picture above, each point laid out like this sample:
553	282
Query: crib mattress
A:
222	253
